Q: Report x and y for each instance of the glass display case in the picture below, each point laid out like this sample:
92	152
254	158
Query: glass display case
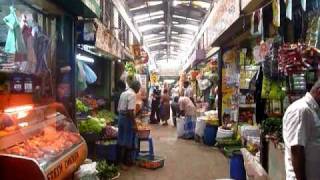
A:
39	143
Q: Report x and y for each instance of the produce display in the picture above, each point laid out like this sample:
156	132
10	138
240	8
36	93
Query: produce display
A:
110	132
92	125
211	117
107	115
81	107
272	127
142	126
46	145
231	141
106	171
90	102
130	68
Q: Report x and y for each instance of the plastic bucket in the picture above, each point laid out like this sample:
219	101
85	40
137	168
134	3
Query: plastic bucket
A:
209	136
237	169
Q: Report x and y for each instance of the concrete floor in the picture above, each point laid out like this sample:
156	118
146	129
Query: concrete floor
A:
185	159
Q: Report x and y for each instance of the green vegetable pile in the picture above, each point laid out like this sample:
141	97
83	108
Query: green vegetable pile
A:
92	125
107	115
272	127
106	171
228	142
81	107
130	68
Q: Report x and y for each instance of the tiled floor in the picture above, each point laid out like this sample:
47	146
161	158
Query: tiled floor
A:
185	159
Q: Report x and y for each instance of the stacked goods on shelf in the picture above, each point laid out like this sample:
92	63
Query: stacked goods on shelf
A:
297	58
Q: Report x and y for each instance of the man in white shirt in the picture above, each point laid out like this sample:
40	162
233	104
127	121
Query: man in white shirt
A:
127	124
301	134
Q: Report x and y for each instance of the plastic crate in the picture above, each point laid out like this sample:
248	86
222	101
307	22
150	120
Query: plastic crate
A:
150	162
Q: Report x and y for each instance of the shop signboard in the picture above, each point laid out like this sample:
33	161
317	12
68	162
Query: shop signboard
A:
86	32
68	164
144	56
227	12
200	54
107	42
136	50
244	3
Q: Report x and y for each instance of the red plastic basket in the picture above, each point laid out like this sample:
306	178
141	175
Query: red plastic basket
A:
150	162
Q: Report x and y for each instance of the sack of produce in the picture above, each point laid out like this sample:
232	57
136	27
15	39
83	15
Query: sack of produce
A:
189	127
180	127
200	125
224	133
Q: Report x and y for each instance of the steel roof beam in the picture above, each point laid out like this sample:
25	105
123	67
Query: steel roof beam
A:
147	9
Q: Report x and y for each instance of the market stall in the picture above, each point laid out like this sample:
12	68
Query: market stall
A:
39	139
264	71
39	143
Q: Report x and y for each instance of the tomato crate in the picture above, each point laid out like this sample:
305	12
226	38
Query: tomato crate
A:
150	162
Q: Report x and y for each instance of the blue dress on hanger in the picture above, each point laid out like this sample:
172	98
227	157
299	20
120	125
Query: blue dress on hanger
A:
14	42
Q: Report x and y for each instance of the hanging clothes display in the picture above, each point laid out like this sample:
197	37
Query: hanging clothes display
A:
41	47
276	12
289	9
81	80
257	23
30	64
304	4
14	42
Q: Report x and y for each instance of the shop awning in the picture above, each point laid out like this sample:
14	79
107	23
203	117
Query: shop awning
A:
84	8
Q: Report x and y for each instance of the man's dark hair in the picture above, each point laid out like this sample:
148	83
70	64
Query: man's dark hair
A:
176	99
135	85
121	85
186	83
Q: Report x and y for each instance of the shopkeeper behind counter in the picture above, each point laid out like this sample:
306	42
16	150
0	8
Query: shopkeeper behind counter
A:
301	134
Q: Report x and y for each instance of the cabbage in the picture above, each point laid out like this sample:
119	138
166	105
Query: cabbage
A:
92	125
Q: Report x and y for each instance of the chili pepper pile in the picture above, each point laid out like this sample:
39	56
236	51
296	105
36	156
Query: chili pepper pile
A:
297	58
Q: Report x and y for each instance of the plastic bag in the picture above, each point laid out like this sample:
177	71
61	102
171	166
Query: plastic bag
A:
87	172
81	77
91	76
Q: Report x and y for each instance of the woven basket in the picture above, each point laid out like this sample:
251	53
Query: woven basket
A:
143	134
